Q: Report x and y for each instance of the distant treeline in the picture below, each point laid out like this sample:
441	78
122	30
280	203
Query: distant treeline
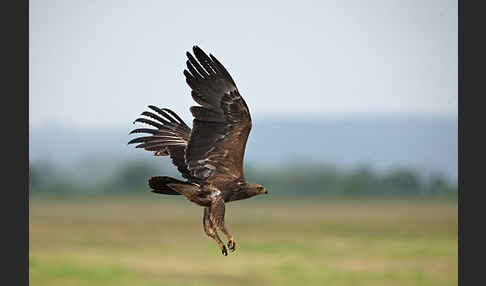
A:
130	177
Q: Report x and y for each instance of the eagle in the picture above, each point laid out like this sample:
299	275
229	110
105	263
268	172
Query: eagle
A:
210	155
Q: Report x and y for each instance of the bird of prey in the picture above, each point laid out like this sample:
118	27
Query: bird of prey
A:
210	155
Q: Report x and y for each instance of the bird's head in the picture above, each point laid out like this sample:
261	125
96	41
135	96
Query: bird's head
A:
257	189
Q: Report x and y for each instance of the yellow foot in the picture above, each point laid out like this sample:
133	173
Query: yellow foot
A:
232	245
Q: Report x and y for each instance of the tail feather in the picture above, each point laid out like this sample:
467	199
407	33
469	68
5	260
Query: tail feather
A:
188	190
160	185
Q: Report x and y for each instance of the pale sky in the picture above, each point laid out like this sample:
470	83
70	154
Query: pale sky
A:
100	63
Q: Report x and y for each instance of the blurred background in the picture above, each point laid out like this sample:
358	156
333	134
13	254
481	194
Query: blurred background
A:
354	108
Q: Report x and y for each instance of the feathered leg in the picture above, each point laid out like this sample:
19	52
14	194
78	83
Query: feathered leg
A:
217	210
210	230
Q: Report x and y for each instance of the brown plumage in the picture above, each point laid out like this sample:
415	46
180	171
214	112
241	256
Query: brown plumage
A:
210	156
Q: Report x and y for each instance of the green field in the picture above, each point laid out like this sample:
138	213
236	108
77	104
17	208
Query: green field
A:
160	241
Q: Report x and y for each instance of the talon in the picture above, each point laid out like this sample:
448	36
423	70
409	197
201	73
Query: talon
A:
232	245
224	251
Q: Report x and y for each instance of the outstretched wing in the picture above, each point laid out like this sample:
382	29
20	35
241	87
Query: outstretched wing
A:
221	124
170	137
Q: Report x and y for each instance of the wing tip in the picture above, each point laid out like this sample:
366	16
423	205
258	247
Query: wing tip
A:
200	54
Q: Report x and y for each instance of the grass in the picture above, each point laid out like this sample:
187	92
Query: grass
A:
159	241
